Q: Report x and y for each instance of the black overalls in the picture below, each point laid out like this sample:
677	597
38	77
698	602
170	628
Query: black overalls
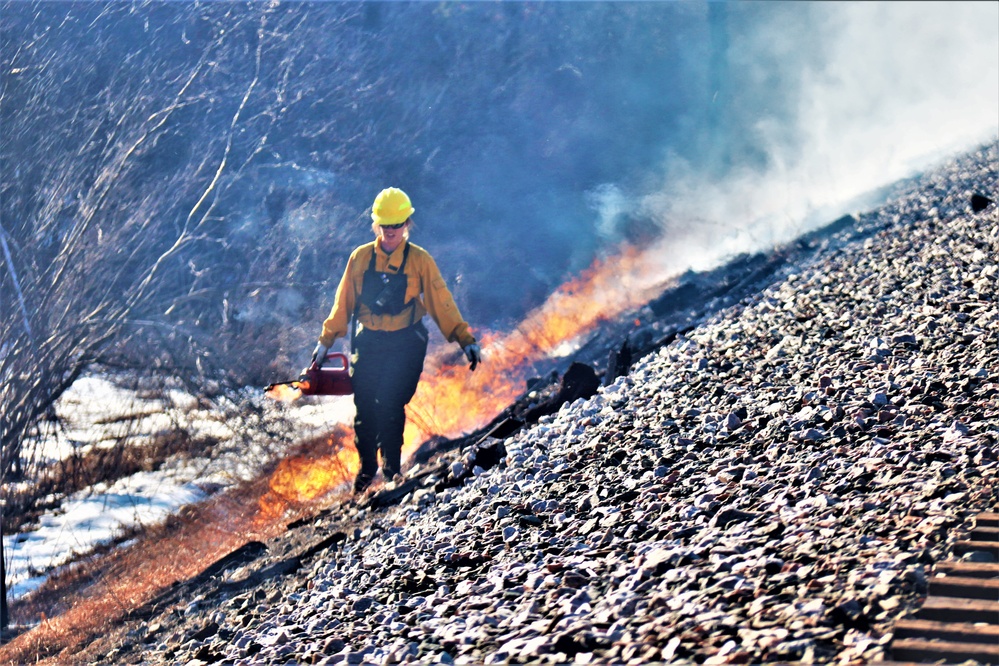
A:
386	370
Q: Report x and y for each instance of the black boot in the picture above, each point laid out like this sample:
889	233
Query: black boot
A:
361	482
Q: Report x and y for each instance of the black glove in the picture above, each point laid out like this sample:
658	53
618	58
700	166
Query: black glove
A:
319	355
473	354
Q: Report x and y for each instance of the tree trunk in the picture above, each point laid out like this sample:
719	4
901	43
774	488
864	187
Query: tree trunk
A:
4	620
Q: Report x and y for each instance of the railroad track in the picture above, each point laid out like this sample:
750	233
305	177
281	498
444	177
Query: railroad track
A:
959	621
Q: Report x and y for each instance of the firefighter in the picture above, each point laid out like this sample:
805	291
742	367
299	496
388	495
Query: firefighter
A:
386	289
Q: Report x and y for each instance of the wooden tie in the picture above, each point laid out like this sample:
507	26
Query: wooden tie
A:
959	620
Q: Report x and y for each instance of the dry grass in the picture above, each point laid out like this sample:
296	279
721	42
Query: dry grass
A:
97	465
80	608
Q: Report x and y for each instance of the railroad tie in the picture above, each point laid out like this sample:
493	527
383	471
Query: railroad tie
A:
959	621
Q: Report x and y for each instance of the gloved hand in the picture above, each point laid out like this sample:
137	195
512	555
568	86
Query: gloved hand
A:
473	354
319	355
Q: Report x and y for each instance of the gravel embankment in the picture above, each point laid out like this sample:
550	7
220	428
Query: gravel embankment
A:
774	486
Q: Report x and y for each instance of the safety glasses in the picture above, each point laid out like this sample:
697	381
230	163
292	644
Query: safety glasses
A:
394	226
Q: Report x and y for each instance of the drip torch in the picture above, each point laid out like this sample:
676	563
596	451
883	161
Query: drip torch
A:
322	380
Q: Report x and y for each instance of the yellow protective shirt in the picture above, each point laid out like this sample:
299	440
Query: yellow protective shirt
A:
424	284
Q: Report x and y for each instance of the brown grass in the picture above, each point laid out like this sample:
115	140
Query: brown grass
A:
98	465
81	607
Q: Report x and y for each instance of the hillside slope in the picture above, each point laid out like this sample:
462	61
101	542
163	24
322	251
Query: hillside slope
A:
772	485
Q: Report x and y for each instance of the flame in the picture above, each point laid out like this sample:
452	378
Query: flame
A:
284	392
306	478
450	400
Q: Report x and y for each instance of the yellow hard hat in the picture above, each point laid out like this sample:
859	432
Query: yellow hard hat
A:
392	206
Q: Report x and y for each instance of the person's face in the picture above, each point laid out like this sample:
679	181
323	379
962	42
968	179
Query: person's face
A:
392	235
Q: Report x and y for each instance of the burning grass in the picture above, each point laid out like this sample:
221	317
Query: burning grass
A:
304	478
91	597
450	401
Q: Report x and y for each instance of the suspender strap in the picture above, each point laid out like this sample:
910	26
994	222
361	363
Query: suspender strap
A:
357	305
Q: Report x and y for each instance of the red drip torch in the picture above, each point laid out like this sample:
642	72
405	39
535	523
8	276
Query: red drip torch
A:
328	380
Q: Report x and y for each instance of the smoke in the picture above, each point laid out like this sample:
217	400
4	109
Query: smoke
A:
906	84
814	107
611	205
535	137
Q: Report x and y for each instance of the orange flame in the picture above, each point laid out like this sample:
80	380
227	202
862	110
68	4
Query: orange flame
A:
302	479
450	400
284	392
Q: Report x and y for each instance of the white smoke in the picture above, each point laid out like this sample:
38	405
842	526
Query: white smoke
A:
611	205
898	87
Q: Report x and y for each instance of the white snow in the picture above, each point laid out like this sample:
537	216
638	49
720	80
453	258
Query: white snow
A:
89	519
95	412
